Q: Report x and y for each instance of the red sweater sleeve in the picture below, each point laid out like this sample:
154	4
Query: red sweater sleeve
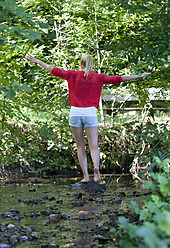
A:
57	72
111	79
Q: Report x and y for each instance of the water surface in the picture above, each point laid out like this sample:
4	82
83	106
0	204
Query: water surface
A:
51	210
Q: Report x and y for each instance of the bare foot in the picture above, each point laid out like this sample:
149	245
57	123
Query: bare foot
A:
97	178
84	180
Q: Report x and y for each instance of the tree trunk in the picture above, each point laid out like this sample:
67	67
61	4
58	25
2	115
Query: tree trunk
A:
99	67
147	118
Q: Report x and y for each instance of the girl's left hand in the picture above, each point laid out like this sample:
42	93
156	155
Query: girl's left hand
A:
31	58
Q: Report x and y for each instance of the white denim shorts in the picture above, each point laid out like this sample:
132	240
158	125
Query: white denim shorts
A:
85	121
86	117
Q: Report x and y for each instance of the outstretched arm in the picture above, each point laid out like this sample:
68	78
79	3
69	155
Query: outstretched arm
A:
131	78
32	59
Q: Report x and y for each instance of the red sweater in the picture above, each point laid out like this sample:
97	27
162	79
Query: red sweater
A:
85	91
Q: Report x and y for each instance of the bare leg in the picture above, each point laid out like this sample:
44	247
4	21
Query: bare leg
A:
78	135
92	135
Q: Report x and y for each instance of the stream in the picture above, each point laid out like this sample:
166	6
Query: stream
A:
62	212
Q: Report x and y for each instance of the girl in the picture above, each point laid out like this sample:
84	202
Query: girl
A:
85	88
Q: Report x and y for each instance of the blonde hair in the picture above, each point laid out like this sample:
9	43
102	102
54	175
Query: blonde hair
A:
87	62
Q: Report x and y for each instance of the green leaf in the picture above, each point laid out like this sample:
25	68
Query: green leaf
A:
156	199
150	185
2	42
156	160
145	215
113	230
162	179
32	35
127	227
165	189
151	207
1	88
147	232
15	84
135	207
21	87
163	220
3	27
123	222
139	73
165	164
10	94
25	87
44	25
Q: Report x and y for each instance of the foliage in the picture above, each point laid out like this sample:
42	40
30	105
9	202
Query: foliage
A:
37	147
46	142
117	144
122	142
123	37
15	23
17	30
155	214
152	140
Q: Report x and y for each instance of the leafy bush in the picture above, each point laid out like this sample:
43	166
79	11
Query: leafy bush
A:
152	140
122	143
154	232
36	146
156	138
49	143
117	146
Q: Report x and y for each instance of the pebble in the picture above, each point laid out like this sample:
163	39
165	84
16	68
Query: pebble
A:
52	198
35	235
13	240
84	218
64	217
33	189
5	246
10	226
45	213
2	229
53	245
8	215
22	238
79	196
54	218
78	185
29	230
99	201
77	203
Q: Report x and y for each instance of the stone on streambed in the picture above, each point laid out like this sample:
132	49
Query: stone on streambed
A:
11	226
90	186
22	238
8	215
50	245
29	230
13	240
95	187
32	189
5	246
78	185
35	235
53	245
103	240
